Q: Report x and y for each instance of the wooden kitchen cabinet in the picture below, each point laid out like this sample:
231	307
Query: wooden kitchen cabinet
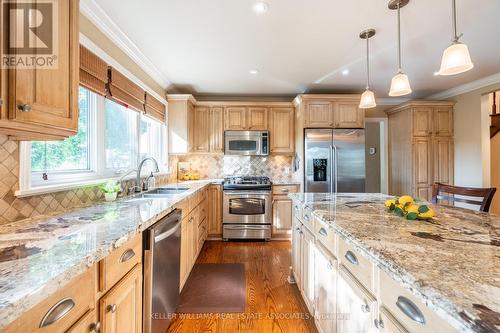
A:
235	118
257	119
318	114
215	211
199	130
121	307
420	147
356	302
89	323
388	324
348	115
282	210
43	103
282	131
297	251
216	131
307	266
325	291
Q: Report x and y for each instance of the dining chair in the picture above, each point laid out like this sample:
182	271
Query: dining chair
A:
481	197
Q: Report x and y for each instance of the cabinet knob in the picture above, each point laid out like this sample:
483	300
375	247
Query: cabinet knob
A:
365	308
24	107
95	327
379	323
111	308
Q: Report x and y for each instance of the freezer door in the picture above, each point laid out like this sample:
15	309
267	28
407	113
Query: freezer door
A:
349	153
318	160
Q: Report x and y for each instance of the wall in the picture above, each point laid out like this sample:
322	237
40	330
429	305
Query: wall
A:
276	167
373	166
472	146
495	172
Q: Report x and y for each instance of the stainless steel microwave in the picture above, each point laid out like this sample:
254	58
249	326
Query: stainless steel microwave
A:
249	143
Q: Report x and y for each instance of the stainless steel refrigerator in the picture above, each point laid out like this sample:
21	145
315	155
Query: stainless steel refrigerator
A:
334	160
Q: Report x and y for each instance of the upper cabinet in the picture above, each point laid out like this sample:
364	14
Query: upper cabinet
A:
235	118
257	118
199	127
43	101
282	131
216	130
330	111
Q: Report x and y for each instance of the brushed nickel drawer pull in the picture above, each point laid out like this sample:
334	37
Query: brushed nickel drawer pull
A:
95	327
111	308
57	311
127	255
323	232
285	190
410	309
24	107
379	323
351	257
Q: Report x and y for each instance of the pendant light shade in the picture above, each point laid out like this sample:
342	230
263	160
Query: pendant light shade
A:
400	84
368	97
367	100
456	58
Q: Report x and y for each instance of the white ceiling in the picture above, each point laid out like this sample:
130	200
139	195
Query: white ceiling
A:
208	47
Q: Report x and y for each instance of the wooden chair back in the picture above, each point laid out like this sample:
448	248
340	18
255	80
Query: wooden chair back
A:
481	197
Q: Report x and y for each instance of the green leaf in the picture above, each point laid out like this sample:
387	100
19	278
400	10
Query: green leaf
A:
399	212
411	216
423	209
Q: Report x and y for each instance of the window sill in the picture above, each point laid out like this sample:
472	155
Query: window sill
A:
45	189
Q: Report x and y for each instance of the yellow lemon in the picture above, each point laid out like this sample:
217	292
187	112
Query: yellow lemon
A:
412	208
389	203
405	199
427	215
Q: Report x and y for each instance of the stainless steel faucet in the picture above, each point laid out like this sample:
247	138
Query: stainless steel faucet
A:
138	187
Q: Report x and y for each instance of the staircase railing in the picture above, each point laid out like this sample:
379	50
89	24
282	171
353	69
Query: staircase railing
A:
495	117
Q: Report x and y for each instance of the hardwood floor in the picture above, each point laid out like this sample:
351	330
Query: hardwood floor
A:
272	304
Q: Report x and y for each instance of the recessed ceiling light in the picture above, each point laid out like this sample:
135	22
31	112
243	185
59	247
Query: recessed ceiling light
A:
253	71
260	7
345	72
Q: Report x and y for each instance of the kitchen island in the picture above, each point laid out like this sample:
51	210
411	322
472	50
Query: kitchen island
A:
450	264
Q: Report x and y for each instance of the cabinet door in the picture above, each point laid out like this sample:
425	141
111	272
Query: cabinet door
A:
389	324
193	237
87	324
422	163
325	290
199	128
282	215
216	130
282	131
297	252
422	121
443	121
257	119
348	115
319	114
443	160
354	302
308	268
49	97
215	211
235	118
121	307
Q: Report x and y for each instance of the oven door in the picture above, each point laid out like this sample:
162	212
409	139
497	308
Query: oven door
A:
243	143
242	207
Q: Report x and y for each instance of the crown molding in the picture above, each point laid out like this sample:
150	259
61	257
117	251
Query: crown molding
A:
392	101
91	10
467	87
85	41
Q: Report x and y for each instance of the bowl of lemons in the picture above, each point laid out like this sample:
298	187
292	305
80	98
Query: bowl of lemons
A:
406	206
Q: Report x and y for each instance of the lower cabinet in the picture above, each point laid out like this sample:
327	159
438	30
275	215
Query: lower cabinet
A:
282	210
121	307
87	324
308	249
325	290
388	324
297	251
215	211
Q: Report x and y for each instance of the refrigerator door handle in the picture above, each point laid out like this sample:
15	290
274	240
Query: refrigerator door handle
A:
335	166
333	176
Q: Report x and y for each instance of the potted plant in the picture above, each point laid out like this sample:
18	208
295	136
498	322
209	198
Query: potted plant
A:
110	189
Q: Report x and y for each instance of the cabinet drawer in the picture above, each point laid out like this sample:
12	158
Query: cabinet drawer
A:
119	262
62	309
184	206
408	310
285	189
87	324
325	234
203	211
307	218
357	264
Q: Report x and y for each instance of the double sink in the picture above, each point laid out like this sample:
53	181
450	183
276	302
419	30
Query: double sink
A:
160	193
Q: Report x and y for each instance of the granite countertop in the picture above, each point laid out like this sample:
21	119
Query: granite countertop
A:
38	256
451	263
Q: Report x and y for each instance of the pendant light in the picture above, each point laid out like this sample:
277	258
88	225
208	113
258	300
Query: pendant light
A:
400	85
368	97
456	58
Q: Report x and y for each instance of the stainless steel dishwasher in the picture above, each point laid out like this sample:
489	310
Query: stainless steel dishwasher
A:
162	243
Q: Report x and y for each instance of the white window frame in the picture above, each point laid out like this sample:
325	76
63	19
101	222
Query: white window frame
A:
98	172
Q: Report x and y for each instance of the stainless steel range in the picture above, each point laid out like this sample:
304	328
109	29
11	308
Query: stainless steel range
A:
247	209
